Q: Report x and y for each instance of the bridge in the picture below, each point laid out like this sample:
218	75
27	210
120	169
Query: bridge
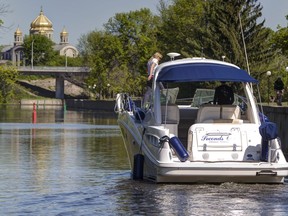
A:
60	73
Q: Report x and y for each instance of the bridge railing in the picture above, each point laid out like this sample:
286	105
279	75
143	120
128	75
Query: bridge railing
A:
53	69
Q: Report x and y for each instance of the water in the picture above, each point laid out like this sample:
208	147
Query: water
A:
74	163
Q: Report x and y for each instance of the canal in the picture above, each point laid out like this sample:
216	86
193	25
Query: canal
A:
74	163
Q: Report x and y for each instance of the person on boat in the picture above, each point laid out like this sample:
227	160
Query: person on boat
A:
279	89
223	94
151	66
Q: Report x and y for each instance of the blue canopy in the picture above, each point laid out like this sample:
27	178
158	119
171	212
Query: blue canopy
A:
203	71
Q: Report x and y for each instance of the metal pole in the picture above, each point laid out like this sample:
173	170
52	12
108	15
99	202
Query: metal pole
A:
268	73
268	88
32	50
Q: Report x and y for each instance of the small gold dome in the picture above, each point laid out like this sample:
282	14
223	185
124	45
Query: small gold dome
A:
64	31
18	31
41	23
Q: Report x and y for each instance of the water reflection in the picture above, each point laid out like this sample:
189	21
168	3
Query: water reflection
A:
74	163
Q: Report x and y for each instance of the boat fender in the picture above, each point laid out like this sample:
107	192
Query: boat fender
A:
264	150
179	149
139	114
177	146
138	167
268	131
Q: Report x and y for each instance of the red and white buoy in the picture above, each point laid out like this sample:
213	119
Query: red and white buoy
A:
34	114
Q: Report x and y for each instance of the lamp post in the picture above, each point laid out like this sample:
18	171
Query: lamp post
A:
223	58
108	86
32	53
65	58
268	73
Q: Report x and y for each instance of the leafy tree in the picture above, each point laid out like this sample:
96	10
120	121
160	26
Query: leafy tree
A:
225	32
118	55
8	76
137	32
182	26
43	51
213	29
102	52
280	39
63	60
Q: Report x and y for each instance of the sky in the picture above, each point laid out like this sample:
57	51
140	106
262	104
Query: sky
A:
81	17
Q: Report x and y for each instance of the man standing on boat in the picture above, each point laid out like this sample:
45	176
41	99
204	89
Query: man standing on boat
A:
223	94
151	66
279	88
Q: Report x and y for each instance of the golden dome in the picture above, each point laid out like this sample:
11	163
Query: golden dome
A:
41	23
64	31
18	31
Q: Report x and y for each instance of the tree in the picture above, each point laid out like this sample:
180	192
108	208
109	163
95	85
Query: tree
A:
102	52
8	76
213	29
41	48
224	32
118	55
280	39
137	31
181	28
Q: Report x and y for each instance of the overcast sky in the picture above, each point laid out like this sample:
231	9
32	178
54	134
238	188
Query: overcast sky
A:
80	17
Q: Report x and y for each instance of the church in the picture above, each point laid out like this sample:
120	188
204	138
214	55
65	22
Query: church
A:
43	26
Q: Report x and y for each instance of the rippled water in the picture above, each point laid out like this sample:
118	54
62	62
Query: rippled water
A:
74	163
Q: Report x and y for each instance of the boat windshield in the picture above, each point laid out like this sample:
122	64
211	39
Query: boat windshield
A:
203	96
169	95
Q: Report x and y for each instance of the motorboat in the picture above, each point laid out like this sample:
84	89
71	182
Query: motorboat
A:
168	141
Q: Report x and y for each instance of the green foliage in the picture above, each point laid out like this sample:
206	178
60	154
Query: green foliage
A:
8	76
101	52
137	31
212	29
225	33
41	48
280	39
118	55
182	26
62	61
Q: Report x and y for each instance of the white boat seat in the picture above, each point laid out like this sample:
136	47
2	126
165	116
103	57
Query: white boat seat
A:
230	112
171	120
210	113
173	114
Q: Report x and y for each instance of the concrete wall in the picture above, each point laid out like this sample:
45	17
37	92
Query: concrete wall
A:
42	102
101	105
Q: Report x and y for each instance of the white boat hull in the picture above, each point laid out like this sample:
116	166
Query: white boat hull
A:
193	171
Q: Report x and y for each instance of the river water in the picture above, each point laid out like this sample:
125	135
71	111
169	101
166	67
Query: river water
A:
74	163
